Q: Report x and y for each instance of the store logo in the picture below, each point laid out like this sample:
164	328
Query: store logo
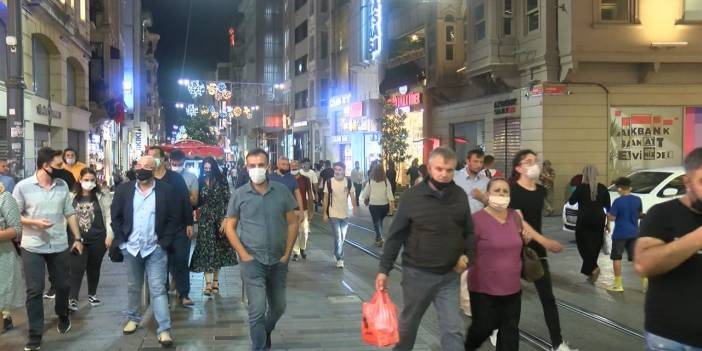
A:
402	89
409	99
339	100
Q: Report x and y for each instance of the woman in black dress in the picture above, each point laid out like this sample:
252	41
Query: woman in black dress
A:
592	199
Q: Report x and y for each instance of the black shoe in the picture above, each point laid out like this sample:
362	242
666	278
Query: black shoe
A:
7	324
303	254
50	294
33	344
296	257
268	341
64	325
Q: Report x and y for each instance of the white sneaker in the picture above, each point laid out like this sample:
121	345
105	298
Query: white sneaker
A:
564	347
340	264
493	338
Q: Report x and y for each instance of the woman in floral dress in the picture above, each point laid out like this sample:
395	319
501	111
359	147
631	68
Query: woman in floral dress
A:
11	283
212	250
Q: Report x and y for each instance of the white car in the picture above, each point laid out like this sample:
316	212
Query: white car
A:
653	186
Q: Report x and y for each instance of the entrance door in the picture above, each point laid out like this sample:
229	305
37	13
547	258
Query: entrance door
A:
507	142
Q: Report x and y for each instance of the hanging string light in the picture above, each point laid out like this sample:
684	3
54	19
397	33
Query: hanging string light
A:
221	87
191	110
211	88
196	88
237	111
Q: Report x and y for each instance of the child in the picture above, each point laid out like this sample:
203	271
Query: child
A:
625	212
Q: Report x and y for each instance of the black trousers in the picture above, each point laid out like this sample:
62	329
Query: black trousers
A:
35	267
91	262
544	288
179	263
358	187
494	312
378	213
589	245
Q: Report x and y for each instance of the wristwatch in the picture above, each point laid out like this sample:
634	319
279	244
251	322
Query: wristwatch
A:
80	239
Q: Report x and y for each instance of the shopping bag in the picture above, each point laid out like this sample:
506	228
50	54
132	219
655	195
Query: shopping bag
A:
379	321
607	243
465	295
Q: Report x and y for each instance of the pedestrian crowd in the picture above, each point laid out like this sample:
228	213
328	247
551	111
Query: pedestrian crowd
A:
468	238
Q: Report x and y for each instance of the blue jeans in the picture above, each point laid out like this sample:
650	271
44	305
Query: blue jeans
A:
339	227
659	343
265	287
156	267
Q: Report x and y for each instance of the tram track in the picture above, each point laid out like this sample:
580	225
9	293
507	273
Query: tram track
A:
526	336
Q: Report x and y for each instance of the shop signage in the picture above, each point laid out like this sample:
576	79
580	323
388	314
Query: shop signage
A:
339	100
505	106
356	110
371	26
359	125
138	144
299	124
409	99
273	122
340	139
44	110
549	90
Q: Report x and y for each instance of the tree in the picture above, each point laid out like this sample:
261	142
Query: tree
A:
198	128
393	134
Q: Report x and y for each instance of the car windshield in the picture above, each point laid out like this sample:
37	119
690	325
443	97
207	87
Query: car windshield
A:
644	182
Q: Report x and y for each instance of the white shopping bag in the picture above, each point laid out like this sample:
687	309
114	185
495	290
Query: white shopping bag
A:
607	243
465	297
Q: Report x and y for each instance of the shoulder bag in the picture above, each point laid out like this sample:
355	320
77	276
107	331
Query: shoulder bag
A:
532	269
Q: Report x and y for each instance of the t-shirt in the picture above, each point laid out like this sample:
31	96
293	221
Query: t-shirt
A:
339	206
303	183
311	174
90	220
626	209
530	203
673	306
286	179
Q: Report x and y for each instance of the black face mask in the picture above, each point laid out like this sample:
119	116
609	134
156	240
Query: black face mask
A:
144	174
439	185
51	174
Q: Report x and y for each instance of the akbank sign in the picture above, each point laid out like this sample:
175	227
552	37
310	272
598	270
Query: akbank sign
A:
371	26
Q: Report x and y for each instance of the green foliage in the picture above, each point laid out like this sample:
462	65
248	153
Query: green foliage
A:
198	128
393	134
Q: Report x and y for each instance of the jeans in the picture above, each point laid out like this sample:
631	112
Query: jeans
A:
303	232
491	313
34	275
179	264
156	267
90	261
265	287
421	288
659	343
544	287
378	214
339	227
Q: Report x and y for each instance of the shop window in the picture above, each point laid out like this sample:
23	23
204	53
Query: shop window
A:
506	142
467	136
507	18
83	5
301	65
532	16
70	85
449	52
76	141
40	68
617	10
479	22
693	10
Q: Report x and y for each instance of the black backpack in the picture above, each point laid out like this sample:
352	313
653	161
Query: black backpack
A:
329	190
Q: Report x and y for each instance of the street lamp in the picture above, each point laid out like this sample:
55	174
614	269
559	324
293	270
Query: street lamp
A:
183	82
179	105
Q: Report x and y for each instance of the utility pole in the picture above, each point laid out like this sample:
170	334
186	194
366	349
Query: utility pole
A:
15	88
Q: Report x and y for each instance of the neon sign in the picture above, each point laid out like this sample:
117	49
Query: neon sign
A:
371	24
339	100
412	98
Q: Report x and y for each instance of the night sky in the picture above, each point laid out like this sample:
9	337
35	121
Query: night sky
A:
207	45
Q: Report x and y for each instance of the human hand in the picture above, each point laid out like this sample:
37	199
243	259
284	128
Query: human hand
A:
77	247
553	246
245	257
461	264
381	282
108	242
189	231
43	223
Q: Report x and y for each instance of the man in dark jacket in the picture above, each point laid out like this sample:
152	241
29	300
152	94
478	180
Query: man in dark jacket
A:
434	225
144	216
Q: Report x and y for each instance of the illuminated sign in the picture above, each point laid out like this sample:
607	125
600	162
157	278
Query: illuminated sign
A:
339	100
299	124
273	122
410	99
371	26
505	106
356	110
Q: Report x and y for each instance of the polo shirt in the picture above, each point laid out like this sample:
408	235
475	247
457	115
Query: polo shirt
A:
262	225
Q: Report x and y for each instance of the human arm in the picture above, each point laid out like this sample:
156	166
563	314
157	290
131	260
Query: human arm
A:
293	224
299	204
529	233
325	205
233	238
390	195
105	206
10	213
310	201
354	202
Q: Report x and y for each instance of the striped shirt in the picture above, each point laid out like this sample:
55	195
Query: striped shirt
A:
54	205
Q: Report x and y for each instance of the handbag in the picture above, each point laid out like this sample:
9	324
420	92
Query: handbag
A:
532	269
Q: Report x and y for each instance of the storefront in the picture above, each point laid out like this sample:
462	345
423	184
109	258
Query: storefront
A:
355	131
409	101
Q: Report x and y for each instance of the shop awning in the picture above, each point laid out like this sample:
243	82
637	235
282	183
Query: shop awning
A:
194	149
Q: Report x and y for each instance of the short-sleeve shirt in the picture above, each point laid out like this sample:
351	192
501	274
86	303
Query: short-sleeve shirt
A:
339	206
90	220
311	174
626	209
286	179
54	205
303	183
262	224
673	307
470	183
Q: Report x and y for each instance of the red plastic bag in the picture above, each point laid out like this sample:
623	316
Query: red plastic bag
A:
379	321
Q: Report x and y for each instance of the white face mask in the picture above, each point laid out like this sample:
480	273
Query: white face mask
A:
295	172
177	169
498	203
533	171
87	185
70	161
257	175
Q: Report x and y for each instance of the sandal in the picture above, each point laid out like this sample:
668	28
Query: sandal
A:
207	291
215	286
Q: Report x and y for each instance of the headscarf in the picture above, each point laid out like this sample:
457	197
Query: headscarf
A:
590	174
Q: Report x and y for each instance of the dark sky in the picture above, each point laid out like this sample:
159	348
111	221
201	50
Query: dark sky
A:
207	45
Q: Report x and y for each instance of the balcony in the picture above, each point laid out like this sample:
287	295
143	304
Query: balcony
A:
407	49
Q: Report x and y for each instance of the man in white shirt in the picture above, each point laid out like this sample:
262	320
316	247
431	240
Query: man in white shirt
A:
473	181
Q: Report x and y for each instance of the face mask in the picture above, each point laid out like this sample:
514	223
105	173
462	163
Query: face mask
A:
498	203
144	174
87	185
439	185
51	174
70	161
257	175
177	169
533	171
295	172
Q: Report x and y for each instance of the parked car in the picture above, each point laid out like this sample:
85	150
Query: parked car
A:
653	186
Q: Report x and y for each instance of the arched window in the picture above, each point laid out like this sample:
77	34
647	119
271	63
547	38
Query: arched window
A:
41	72
70	84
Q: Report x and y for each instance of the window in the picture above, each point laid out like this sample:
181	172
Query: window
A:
301	65
324	45
324	5
324	93
301	100
532	16
301	32
616	10
450	34
693	10
83	4
299	4
507	18
677	184
479	22
449	52
40	68
70	85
